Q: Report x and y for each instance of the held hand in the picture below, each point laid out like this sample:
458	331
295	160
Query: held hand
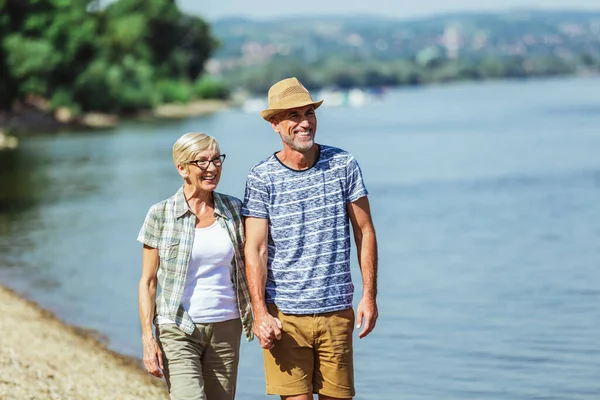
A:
152	357
266	344
267	329
367	312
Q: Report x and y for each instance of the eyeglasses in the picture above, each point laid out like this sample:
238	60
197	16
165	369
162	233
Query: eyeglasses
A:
204	164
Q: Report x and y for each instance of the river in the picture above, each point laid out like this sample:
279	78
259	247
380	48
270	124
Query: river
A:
486	201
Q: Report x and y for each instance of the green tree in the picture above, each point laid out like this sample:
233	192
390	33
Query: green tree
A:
132	54
41	50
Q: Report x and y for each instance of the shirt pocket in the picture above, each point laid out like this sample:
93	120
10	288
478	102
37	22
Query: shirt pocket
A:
168	249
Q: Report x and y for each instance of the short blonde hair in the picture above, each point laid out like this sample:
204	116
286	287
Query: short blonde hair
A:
188	146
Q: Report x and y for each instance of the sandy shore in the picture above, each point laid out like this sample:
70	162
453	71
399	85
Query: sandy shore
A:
42	358
37	117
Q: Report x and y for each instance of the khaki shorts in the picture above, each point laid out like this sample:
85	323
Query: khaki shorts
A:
203	365
314	355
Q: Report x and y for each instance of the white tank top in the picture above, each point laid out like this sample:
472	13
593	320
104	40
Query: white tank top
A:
208	294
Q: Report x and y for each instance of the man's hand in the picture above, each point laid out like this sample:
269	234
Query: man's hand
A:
367	311
152	357
267	329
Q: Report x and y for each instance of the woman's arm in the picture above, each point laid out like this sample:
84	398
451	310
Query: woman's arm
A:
147	303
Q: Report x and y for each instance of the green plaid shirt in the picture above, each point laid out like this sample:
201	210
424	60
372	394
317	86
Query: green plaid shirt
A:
169	227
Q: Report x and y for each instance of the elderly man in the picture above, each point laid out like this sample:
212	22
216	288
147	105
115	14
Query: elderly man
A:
298	204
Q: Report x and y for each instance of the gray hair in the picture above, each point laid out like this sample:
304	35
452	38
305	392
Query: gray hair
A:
188	146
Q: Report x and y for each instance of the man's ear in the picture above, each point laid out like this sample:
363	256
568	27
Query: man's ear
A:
274	124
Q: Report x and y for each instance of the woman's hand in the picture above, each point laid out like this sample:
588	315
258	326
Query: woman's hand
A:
152	356
268	329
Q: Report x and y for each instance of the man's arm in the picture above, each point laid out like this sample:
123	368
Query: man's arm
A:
147	303
266	327
359	212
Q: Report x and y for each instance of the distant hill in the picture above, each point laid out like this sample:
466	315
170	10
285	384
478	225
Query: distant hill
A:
368	50
369	36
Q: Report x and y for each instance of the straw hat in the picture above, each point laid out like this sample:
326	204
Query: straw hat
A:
286	94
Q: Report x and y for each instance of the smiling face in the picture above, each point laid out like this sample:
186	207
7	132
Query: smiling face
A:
202	179
297	127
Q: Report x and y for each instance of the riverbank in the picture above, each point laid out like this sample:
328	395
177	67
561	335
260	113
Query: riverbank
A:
35	116
43	358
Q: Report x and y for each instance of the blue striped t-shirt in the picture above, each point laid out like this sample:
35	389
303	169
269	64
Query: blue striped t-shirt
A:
309	233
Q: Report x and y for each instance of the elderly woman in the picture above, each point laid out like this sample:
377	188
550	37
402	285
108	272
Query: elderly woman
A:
193	248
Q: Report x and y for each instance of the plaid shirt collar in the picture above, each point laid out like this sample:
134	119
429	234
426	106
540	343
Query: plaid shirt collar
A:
181	206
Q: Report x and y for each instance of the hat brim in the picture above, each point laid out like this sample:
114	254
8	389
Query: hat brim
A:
270	113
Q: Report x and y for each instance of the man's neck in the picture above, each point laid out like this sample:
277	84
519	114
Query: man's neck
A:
299	160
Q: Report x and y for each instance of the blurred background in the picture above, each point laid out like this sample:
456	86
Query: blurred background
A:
477	127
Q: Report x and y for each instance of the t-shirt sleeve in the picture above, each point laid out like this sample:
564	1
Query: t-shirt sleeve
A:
149	233
355	187
256	197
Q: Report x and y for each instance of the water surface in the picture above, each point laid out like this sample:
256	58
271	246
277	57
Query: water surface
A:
486	201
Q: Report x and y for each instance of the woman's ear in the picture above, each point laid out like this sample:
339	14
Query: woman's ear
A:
183	170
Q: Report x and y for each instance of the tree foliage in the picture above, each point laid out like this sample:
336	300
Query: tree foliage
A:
345	74
130	55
